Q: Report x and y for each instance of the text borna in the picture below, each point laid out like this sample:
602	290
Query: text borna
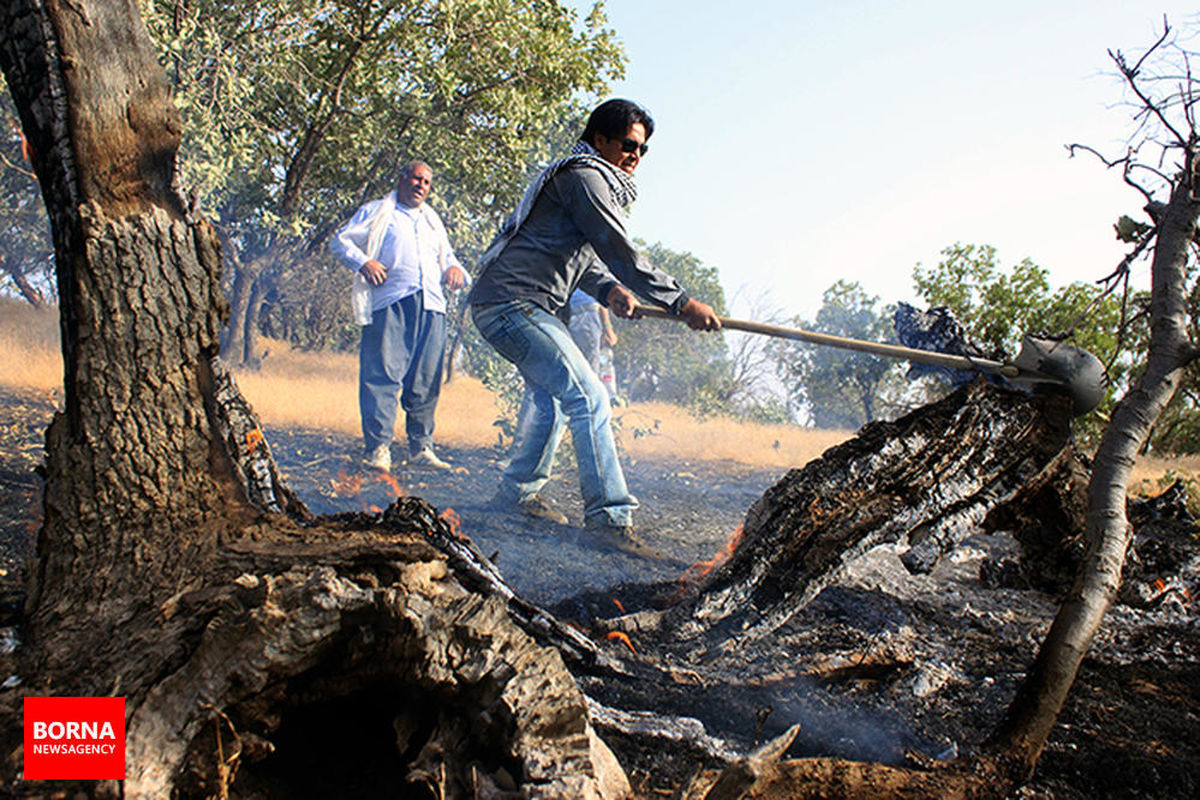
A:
87	731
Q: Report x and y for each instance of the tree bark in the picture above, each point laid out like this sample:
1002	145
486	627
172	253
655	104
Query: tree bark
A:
929	479
1032	715
241	341
128	460
251	349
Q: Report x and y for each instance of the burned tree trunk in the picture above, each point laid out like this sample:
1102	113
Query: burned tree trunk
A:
929	479
173	567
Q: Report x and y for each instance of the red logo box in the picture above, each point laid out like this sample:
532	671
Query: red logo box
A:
74	738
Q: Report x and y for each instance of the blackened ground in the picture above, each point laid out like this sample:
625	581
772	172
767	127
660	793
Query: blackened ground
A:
956	647
688	510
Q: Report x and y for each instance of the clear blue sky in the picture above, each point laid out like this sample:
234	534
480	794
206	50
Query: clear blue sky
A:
799	143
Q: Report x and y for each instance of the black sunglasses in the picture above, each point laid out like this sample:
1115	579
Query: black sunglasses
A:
629	145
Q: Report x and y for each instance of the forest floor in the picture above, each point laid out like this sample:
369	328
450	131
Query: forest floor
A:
1131	725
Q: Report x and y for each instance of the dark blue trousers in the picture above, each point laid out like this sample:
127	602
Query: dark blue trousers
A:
401	355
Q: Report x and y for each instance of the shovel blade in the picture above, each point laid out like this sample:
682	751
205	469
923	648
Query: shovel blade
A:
1045	363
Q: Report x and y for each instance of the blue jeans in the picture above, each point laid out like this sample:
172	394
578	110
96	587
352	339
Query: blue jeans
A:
562	385
401	354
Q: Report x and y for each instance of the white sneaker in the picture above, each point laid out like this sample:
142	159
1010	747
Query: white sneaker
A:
426	458
380	458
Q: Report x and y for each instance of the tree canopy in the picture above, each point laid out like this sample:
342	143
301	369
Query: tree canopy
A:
297	111
836	388
666	361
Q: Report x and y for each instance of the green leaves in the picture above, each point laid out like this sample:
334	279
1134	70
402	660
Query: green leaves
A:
997	307
667	361
297	111
838	389
308	107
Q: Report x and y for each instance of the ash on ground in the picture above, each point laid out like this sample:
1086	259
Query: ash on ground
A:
929	660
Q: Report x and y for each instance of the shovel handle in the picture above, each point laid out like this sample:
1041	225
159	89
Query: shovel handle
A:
829	340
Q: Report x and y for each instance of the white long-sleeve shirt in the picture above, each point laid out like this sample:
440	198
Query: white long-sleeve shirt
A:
414	247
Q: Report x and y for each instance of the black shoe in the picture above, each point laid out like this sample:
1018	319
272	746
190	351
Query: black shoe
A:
622	537
537	507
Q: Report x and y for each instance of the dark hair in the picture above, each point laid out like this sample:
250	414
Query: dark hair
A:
612	118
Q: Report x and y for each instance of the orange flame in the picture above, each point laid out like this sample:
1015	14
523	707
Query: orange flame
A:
253	439
617	603
375	509
701	568
454	522
387	478
346	485
621	636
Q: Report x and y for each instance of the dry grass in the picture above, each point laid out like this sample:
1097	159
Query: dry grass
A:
648	430
319	391
29	352
1151	468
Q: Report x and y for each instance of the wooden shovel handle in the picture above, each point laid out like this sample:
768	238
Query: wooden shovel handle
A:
878	348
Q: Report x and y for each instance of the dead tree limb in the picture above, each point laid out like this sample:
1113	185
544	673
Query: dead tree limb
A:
928	479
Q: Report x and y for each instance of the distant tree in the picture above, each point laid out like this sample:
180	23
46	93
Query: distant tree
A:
296	112
839	389
26	254
660	360
759	396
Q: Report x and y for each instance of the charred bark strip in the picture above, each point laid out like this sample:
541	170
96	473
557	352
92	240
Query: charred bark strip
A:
245	448
929	478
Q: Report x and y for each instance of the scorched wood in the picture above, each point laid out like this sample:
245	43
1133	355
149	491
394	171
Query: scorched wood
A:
928	479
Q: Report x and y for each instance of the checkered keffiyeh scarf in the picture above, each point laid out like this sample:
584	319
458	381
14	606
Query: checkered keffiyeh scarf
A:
623	189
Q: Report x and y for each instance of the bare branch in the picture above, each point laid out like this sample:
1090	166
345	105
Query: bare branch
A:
1131	75
1126	163
1166	32
1152	170
1071	148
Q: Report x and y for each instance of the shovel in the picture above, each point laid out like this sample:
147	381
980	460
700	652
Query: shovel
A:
1042	363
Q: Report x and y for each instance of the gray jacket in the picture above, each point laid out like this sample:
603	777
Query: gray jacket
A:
574	237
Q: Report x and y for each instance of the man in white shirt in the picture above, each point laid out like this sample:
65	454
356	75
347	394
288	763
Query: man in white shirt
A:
410	268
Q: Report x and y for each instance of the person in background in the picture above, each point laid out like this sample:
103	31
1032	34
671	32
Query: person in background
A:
410	266
591	328
568	233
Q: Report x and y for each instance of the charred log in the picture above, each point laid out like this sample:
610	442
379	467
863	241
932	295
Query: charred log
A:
929	479
362	644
